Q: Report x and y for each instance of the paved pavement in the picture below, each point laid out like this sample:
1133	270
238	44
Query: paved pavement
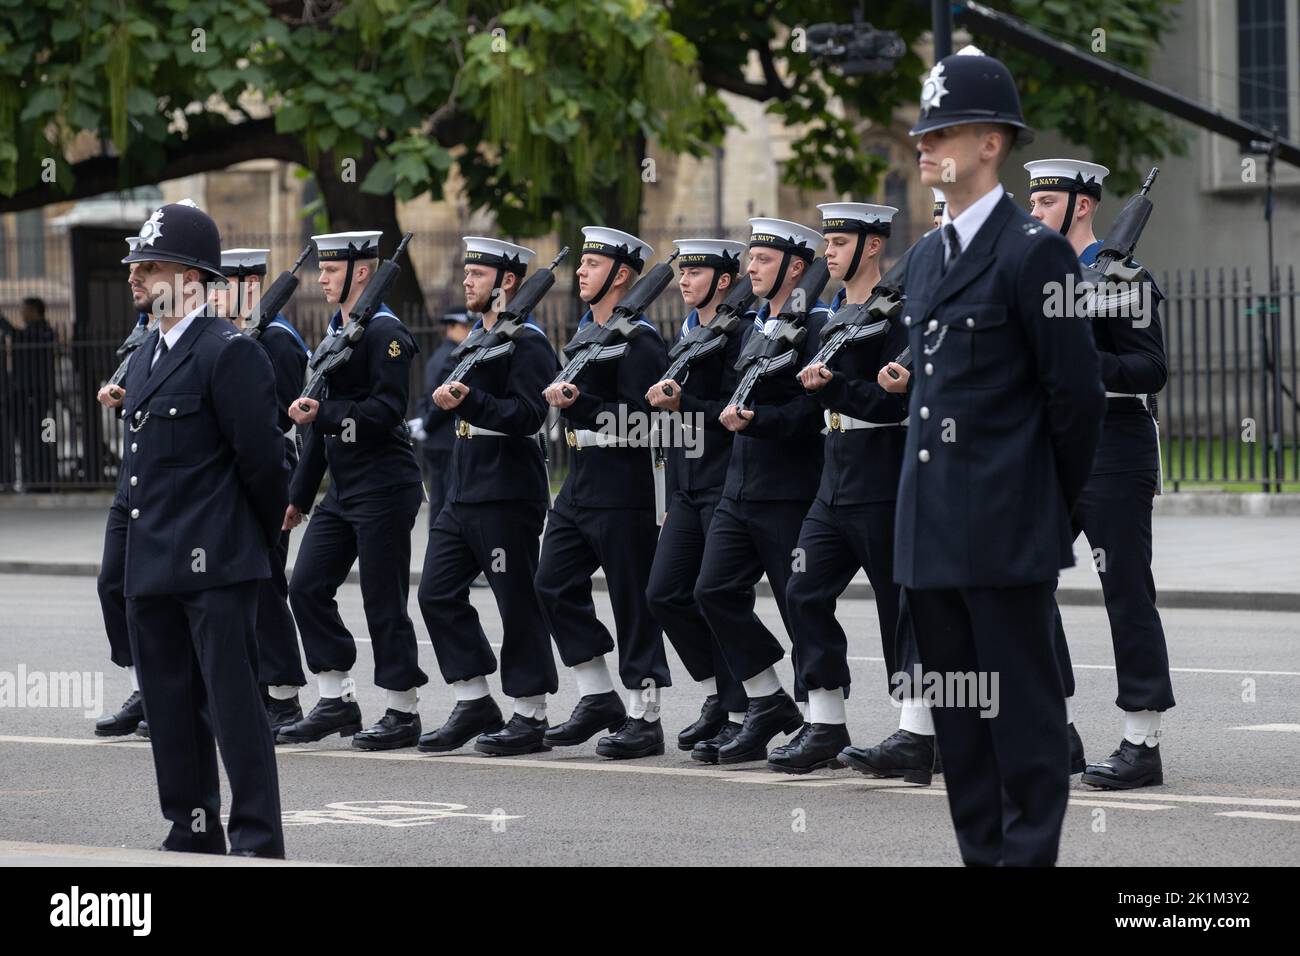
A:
1232	795
1226	561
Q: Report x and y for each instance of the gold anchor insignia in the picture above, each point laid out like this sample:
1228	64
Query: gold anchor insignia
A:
462	428
394	349
836	423
571	437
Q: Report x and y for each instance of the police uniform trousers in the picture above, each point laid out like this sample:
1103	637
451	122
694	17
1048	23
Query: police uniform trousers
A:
499	539
622	542
373	530
195	656
746	540
279	661
834	541
1114	512
111	580
671	593
1008	774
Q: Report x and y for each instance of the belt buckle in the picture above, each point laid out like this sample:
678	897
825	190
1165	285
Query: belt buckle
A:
837	423
462	428
571	438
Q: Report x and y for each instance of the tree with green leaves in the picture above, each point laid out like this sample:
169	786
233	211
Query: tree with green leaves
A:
545	108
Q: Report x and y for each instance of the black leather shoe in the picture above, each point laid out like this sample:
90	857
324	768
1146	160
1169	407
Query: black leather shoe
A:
142	729
817	746
468	719
125	720
637	737
902	754
281	713
396	729
765	718
594	713
1130	767
1077	762
522	735
706	751
711	720
331	715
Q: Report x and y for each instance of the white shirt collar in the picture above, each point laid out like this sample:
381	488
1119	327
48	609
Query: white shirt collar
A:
973	216
173	336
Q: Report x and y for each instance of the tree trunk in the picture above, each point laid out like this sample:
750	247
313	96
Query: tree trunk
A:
351	210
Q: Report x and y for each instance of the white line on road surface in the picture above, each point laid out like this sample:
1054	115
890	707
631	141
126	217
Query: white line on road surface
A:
1257	815
1172	670
1284	728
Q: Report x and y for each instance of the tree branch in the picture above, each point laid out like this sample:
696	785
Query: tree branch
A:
210	150
722	80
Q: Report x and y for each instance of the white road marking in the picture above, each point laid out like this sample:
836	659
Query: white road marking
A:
1284	728
1257	815
1172	670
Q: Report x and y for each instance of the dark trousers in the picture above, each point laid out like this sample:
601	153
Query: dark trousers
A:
112	576
671	594
499	539
1007	775
622	542
278	659
375	531
437	468
195	656
834	542
746	540
1114	512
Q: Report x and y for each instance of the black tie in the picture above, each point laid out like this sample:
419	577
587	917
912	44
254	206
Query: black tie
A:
954	245
158	354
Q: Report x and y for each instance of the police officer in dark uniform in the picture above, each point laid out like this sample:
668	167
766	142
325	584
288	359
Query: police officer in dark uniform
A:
772	477
604	516
359	433
696	468
207	489
436	425
496	506
1114	509
1005	415
279	661
851	522
129	718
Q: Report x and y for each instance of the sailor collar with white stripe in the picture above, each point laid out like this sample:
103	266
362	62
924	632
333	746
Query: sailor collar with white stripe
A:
588	318
383	309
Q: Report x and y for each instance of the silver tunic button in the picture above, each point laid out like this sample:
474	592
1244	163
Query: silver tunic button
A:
134	481
133	446
135	512
925	411
171	411
137	416
907	320
970	322
923	455
934	324
929	368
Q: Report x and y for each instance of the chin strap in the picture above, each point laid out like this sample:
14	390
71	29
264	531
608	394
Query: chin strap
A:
609	281
347	276
713	287
857	257
780	274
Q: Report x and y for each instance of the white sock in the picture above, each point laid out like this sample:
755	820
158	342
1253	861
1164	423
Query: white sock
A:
531	707
471	689
763	684
916	717
1142	727
282	691
735	718
709	685
336	684
135	681
826	706
643	703
406	701
1069	710
593	677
